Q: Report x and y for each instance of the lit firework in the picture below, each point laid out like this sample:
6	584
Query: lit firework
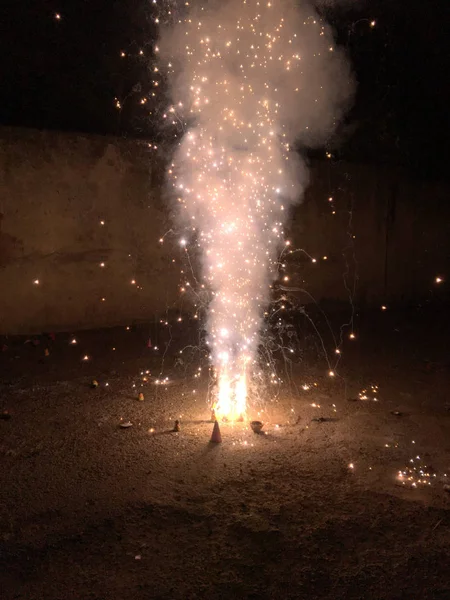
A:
248	78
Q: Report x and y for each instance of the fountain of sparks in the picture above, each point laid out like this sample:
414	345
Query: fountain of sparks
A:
248	78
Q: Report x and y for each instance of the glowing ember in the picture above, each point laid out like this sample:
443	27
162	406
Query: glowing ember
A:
416	474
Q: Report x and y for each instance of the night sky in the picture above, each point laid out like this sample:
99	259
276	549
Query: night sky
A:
68	73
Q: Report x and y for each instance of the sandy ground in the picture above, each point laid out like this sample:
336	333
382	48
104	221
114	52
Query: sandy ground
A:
311	509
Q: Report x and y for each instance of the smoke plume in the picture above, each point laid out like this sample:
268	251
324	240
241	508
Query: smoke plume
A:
250	78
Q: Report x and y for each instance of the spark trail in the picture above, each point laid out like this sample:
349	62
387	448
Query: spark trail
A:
249	78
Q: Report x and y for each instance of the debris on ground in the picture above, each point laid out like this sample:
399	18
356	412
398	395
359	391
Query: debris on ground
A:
256	426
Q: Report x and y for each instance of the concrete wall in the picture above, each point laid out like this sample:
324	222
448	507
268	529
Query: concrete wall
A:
55	189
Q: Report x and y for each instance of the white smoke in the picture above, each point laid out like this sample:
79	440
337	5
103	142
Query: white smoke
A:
250	78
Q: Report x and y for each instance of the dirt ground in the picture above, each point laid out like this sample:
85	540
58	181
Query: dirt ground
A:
312	508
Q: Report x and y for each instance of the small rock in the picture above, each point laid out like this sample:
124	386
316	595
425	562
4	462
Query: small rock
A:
126	424
256	426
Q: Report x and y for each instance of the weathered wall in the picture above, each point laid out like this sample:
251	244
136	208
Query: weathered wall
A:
56	189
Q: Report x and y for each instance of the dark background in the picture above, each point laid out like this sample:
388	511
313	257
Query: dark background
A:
67	74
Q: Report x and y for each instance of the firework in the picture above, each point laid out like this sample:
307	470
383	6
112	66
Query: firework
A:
248	79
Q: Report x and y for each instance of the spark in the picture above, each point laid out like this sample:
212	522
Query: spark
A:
416	474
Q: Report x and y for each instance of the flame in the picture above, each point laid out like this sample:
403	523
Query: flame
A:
231	402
